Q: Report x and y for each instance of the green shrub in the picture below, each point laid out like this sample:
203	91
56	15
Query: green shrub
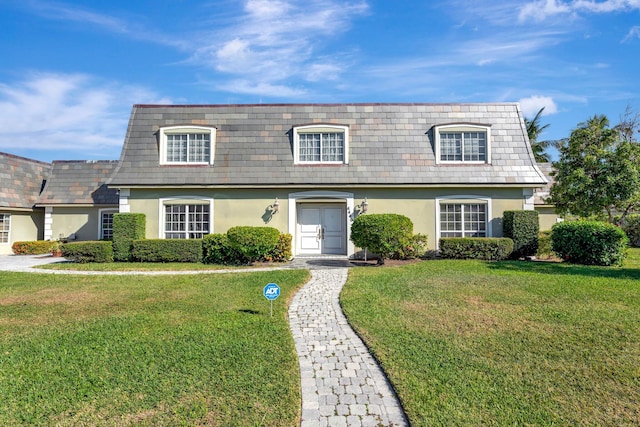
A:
91	251
282	251
33	247
631	226
167	250
544	245
127	227
382	234
216	249
589	242
522	227
416	248
486	248
254	242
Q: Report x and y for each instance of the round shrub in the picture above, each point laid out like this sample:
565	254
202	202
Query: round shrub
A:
589	242
216	249
382	234
254	242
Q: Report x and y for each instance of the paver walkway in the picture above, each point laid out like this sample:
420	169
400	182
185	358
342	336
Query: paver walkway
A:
342	385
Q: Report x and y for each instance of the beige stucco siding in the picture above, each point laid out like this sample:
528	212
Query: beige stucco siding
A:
547	216
25	226
232	207
84	222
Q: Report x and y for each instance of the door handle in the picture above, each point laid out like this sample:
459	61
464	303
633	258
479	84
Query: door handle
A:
322	233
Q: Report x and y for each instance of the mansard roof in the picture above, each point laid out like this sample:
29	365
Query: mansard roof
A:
79	182
21	181
389	145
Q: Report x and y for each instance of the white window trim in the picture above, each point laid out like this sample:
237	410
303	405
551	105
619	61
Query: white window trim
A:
164	131
462	127
320	128
7	214
100	212
463	199
167	201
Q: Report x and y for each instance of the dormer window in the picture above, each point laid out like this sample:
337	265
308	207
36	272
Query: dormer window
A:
187	145
321	144
463	143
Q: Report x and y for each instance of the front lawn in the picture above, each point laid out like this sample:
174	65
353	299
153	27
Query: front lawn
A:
138	350
505	343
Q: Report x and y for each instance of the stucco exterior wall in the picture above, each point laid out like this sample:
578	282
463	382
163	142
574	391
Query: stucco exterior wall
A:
547	217
84	222
233	207
25	226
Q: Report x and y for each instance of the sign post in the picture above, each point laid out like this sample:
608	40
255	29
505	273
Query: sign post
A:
271	292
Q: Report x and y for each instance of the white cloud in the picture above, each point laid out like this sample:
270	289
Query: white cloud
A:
58	112
540	10
530	106
276	41
634	33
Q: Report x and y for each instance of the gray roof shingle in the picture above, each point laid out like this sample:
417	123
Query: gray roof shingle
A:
21	180
79	183
390	144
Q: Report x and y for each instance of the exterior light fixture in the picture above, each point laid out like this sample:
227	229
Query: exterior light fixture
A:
364	205
275	206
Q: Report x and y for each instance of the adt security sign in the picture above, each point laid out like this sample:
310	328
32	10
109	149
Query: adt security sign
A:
271	291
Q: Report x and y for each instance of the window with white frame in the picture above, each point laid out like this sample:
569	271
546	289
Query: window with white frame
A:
186	221
463	219
463	144
106	224
187	145
5	227
317	144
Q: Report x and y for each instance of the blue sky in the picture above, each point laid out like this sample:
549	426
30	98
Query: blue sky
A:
71	70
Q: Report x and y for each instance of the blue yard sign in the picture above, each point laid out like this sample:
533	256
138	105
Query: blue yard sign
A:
271	292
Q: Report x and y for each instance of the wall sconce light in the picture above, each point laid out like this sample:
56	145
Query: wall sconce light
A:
364	205
275	207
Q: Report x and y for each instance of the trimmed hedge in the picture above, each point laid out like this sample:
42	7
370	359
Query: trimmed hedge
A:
127	227
253	242
33	247
631	226
485	248
282	251
216	249
523	228
416	248
382	234
589	242
90	251
167	250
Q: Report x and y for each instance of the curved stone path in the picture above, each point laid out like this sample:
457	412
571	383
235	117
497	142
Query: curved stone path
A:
341	383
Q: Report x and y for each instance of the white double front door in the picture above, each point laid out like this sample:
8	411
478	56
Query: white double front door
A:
322	229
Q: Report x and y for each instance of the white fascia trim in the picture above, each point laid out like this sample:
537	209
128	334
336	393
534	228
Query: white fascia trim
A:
461	127
293	213
455	198
167	201
162	134
297	130
100	212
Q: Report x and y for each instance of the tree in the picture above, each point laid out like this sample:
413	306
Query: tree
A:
598	172
534	129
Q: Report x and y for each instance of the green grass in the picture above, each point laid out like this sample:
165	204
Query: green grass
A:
505	343
137	350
